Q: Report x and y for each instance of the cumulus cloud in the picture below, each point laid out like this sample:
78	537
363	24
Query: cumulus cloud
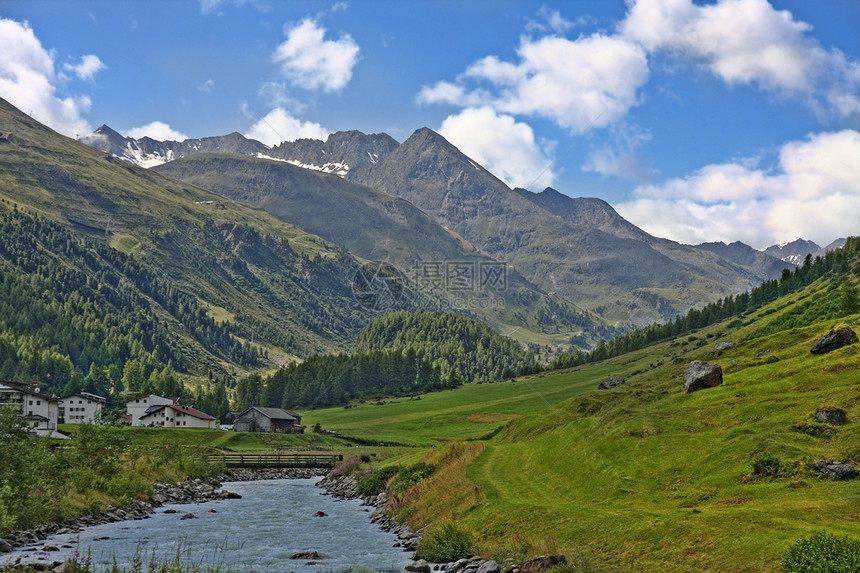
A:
278	126
29	82
814	193
505	147
158	131
748	42
579	84
87	68
311	62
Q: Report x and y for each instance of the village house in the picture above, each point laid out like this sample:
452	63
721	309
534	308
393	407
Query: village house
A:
176	416
82	408
40	411
136	409
256	419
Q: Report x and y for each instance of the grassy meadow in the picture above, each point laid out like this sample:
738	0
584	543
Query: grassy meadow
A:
644	477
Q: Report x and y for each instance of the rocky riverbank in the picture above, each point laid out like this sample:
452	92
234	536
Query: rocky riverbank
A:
346	487
36	541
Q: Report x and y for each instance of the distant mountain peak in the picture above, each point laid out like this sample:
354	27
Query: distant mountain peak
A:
793	252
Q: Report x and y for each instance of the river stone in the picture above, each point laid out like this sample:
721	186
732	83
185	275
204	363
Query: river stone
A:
542	563
5	547
320	514
312	555
723	345
833	340
489	567
835	470
188	516
831	415
169	511
701	375
418	566
50	548
612	382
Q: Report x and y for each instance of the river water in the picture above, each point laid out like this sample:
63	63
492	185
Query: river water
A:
273	520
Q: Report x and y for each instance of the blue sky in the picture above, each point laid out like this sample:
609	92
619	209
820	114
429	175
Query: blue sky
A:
698	121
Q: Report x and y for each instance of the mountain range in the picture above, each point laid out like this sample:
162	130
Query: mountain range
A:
580	250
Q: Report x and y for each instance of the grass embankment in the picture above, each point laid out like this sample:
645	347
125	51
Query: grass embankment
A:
644	477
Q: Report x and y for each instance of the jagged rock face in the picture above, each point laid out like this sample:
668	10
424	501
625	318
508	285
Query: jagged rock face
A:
833	340
701	375
148	152
744	255
794	252
342	153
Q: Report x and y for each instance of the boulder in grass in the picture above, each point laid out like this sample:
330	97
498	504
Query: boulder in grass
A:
701	375
542	563
612	382
832	415
723	345
835	470
834	339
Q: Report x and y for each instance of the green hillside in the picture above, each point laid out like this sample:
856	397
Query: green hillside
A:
644	477
374	225
212	272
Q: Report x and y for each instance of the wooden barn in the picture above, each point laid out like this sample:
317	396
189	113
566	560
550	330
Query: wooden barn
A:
256	419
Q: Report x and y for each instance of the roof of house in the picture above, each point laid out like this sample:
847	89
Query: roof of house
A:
179	408
172	400
87	396
273	413
24	388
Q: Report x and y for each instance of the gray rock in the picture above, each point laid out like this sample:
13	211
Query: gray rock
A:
188	516
418	566
542	563
763	352
833	340
733	361
313	555
831	415
489	567
701	375
612	382
320	514
5	547
835	470
723	345
50	548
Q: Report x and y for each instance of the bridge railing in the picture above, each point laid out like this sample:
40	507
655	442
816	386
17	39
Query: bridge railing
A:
244	460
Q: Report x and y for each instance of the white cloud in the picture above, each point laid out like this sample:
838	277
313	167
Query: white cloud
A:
87	68
590	81
29	82
620	159
549	20
158	131
505	147
814	194
311	62
748	42
206	86
278	126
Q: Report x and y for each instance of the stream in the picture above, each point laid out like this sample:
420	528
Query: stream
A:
273	520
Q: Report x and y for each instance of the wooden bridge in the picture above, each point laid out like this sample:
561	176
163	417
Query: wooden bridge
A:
276	460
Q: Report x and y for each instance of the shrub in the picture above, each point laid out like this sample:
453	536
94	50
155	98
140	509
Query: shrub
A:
445	544
766	464
411	476
823	553
374	482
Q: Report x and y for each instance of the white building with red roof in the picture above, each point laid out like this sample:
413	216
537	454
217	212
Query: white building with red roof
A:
176	416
